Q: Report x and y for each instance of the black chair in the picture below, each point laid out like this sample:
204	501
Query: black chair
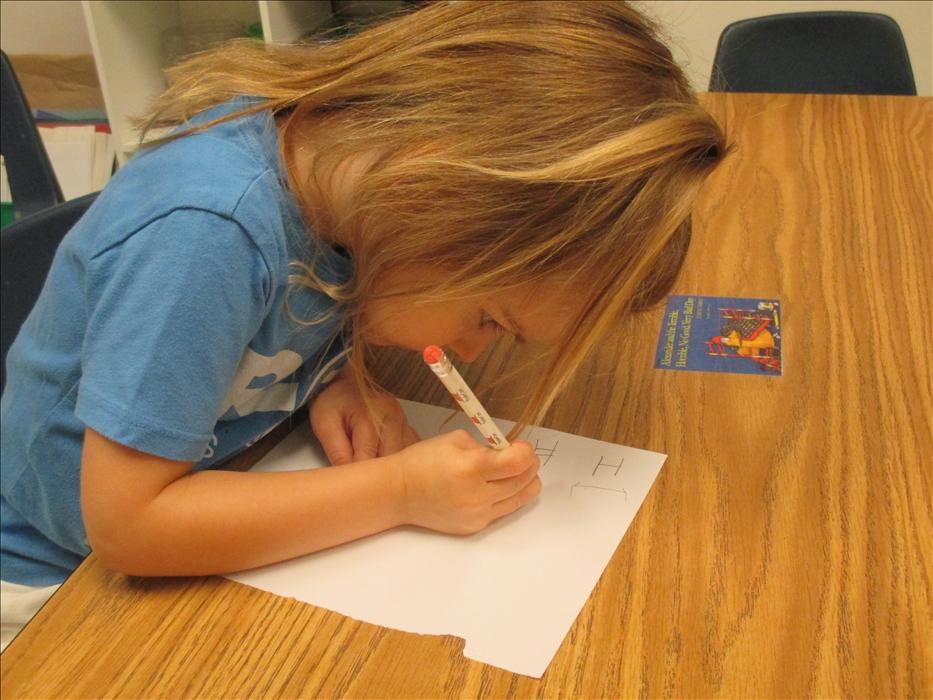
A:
27	247
33	184
855	53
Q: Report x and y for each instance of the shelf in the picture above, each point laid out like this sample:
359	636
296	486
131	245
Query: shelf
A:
133	42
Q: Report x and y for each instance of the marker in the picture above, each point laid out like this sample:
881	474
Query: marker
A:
464	397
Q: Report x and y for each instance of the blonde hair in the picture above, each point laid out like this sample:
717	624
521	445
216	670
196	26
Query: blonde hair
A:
518	142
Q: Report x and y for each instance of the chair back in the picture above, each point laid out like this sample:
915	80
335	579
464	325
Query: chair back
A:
27	248
857	53
33	184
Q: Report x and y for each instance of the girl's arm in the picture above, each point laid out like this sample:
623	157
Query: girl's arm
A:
150	516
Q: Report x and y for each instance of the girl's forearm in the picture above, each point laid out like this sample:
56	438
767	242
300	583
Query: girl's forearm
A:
214	522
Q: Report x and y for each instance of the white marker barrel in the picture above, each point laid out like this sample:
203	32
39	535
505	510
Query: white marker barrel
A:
464	396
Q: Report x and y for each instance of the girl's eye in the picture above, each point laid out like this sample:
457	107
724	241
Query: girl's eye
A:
488	321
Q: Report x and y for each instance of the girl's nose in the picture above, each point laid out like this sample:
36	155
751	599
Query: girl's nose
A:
468	349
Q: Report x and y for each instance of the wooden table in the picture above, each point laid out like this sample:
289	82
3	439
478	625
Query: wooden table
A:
785	549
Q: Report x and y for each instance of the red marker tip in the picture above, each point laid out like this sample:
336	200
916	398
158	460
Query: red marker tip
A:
432	354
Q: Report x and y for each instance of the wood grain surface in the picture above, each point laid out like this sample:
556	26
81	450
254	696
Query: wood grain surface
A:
785	549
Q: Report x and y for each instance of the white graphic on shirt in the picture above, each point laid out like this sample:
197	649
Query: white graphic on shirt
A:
209	451
275	395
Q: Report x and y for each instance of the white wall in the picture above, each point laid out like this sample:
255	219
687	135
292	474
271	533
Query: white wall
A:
43	26
693	28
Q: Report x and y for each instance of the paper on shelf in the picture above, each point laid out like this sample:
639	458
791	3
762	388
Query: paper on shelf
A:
71	152
104	155
511	591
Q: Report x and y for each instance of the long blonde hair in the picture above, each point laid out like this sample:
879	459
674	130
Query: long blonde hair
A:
519	142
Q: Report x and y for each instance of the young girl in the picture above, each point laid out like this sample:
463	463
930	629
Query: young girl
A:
460	172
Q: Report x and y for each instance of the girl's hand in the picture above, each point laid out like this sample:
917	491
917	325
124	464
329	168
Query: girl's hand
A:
341	422
454	484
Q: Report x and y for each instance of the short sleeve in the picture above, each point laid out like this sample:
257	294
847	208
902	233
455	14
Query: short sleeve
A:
171	310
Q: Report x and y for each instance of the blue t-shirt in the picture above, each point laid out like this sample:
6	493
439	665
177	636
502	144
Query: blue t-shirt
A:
163	326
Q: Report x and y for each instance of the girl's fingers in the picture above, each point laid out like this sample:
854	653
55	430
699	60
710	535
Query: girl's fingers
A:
365	438
410	437
506	488
391	437
331	431
510	462
395	433
341	422
524	496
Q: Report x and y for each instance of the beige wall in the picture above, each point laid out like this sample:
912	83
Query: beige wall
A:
693	28
48	26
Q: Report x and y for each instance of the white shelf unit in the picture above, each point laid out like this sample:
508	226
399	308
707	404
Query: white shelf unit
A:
129	39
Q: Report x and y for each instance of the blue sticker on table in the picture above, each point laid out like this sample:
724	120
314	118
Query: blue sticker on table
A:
721	334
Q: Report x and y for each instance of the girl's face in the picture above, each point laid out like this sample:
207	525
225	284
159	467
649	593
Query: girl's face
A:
466	326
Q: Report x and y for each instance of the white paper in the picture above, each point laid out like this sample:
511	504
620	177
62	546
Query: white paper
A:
511	591
104	155
71	152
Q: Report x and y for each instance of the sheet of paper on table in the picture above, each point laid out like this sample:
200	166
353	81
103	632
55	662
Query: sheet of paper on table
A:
511	591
